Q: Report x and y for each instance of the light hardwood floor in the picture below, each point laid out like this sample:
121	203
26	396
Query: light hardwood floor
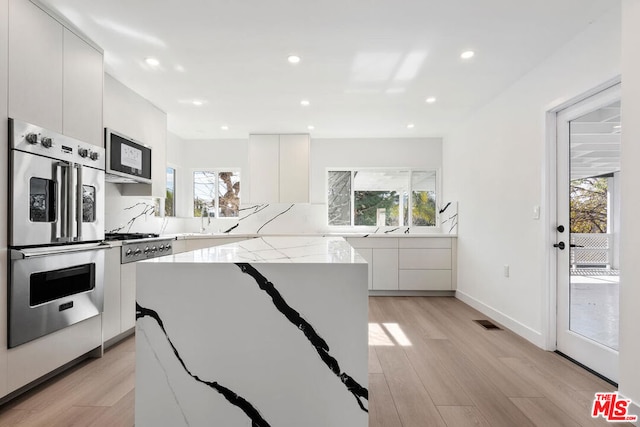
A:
429	365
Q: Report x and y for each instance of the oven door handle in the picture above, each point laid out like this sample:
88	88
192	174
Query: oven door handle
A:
79	203
36	253
63	213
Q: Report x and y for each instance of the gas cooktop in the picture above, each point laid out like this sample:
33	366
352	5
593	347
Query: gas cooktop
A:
128	236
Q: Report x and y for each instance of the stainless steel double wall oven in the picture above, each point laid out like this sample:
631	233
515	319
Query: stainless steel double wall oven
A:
56	225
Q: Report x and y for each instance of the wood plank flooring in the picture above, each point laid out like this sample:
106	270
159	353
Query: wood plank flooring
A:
429	365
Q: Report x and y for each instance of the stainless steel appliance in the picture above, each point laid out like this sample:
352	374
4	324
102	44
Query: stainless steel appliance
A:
52	288
128	161
57	188
141	246
56	225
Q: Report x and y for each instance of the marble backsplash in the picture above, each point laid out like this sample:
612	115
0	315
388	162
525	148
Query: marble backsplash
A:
133	214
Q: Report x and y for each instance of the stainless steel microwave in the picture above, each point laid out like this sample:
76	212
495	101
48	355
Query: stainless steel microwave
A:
128	161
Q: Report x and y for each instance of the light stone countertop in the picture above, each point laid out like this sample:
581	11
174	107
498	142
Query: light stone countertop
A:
272	249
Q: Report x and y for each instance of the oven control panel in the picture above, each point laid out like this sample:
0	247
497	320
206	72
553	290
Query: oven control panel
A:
147	249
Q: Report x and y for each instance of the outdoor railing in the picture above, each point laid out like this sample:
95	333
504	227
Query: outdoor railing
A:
591	249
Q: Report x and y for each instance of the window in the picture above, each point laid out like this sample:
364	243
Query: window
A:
216	194
170	198
378	197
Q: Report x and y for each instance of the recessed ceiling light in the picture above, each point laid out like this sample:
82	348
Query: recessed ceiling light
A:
293	59
430	100
197	102
467	54
311	127
305	102
410	126
224	127
152	61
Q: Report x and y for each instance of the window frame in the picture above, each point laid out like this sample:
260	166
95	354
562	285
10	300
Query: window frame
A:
175	186
216	200
410	170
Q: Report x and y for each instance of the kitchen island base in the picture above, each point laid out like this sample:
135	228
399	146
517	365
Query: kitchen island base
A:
239	335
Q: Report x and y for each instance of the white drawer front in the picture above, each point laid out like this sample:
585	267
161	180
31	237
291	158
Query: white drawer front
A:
425	280
439	259
425	242
373	242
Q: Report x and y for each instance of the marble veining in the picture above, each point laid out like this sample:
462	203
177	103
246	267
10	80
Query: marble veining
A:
233	398
148	209
449	218
320	345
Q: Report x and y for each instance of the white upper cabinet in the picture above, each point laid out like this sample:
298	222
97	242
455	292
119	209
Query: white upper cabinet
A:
55	78
294	168
279	168
35	66
264	161
82	96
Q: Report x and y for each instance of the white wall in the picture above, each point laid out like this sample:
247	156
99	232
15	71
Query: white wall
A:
494	166
369	152
189	155
630	268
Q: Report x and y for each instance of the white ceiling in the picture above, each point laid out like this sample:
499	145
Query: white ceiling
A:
232	54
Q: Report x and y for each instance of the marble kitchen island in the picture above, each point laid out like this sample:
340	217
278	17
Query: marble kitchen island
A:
264	332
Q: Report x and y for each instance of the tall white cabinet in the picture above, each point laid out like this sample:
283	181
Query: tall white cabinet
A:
279	168
55	77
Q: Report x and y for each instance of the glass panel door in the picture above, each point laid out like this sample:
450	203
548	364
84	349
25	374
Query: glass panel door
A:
587	233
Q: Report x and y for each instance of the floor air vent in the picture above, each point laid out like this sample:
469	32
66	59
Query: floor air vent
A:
487	324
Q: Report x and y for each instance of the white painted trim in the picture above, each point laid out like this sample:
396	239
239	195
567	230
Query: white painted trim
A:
524	331
634	409
549	313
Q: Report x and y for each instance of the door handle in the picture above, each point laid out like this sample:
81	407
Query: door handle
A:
560	245
576	246
79	203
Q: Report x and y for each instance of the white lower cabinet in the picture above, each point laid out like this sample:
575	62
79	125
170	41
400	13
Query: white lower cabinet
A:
32	360
127	296
409	263
385	269
111	311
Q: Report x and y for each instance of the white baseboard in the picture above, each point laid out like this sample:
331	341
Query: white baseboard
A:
513	325
634	409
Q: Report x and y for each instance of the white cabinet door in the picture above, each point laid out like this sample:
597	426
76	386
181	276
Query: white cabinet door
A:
429	259
385	269
82	84
294	168
127	296
264	159
111	311
35	66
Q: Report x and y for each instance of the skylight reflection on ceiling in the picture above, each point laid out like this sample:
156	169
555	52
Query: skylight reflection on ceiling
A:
374	66
129	32
410	66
